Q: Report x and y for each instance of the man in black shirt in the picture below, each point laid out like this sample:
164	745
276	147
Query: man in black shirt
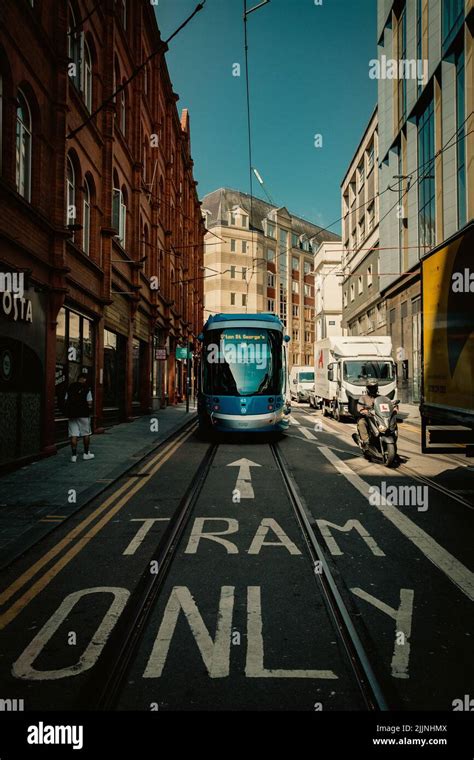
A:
78	408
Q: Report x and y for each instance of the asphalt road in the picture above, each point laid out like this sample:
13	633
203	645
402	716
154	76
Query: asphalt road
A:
240	621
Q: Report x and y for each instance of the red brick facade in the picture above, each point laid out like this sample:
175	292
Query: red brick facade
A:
100	213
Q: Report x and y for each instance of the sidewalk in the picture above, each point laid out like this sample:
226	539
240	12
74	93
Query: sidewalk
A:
34	499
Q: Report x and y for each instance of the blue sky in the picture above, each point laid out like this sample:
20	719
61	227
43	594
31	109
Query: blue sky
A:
308	75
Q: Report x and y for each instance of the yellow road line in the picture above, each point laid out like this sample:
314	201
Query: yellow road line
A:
162	457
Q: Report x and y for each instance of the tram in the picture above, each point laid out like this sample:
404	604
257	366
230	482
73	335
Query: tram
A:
244	374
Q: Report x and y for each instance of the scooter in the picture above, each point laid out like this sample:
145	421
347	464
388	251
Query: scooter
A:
383	431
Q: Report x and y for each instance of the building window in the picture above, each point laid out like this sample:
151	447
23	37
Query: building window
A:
271	230
232	273
453	17
294	240
270	254
419	35
123	110
245	221
296	336
119	214
370	157
352	292
244	246
232	218
345	298
271	305
402	54
244	273
360	175
370	217
232	299
308	268
23	147
361	232
295	286
369	277
270	280
70	193
296	311
74	352
461	134
75	41
86	218
308	290
244	300
233	246
360	285
87	86
283	238
426	170
295	263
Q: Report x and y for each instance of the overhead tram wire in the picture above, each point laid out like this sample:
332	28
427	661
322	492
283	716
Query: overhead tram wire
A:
136	71
249	132
80	24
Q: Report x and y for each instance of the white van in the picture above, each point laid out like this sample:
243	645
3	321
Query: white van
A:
301	382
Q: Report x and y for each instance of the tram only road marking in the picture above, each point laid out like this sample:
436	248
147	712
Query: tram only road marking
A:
244	478
153	466
460	575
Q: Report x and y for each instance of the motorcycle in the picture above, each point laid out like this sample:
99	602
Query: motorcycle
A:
383	431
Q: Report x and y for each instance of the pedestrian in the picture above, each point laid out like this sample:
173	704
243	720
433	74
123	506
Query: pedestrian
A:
78	407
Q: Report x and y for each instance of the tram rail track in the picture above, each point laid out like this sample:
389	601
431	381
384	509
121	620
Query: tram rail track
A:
402	467
104	688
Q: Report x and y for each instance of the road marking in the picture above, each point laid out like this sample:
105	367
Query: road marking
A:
157	462
244	478
254	666
458	573
324	526
308	434
197	533
142	532
259	539
215	654
23	667
310	418
403	619
294	421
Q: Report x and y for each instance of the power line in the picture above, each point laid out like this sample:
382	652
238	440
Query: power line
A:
136	71
81	23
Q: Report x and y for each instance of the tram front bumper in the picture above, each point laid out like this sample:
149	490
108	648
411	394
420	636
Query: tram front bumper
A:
255	422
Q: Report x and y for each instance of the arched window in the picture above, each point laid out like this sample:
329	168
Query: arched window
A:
119	210
123	110
23	146
146	251
75	43
71	212
86	218
87	87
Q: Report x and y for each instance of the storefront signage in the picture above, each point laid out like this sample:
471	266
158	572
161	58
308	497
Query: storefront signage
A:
16	308
183	353
160	354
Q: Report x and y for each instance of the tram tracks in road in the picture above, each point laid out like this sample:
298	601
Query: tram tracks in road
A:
367	681
404	468
108	677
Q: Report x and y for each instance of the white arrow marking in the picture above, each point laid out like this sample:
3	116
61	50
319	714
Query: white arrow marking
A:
244	479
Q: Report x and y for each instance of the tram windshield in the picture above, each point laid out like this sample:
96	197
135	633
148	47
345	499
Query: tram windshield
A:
243	361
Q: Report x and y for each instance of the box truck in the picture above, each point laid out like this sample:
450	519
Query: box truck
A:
343	366
301	382
447	392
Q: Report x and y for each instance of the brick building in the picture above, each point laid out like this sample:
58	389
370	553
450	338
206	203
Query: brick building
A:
98	212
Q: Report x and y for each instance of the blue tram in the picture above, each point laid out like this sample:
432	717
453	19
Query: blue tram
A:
244	374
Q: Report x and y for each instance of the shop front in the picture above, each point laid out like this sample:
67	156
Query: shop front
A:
114	377
159	373
22	373
75	353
